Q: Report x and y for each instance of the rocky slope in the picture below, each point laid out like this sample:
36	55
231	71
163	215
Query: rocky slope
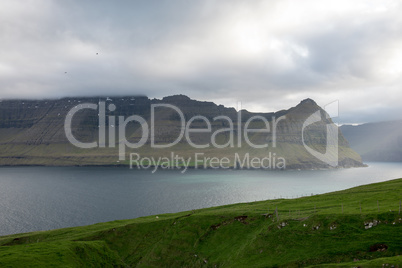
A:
32	132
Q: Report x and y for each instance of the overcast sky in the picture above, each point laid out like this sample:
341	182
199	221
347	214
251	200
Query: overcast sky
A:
267	54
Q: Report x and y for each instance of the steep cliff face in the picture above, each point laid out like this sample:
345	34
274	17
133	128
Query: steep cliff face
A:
32	131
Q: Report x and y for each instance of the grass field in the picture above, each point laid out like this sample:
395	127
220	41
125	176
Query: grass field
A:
316	231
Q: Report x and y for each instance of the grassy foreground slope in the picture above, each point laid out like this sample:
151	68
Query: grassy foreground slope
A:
322	230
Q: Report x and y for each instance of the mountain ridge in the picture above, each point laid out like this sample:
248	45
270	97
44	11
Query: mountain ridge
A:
32	131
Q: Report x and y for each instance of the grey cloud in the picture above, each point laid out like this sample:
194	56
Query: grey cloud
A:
224	51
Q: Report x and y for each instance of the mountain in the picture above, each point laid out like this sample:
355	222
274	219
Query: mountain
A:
380	141
32	132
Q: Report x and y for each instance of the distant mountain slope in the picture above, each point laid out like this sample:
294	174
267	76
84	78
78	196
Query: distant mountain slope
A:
376	141
32	132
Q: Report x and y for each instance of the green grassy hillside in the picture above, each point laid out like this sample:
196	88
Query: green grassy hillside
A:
323	230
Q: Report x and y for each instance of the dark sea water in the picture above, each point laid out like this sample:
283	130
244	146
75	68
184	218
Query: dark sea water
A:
43	198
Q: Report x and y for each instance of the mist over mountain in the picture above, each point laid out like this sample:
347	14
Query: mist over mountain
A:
381	141
32	132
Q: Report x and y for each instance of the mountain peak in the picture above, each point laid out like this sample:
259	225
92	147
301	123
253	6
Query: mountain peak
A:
306	106
308	101
179	97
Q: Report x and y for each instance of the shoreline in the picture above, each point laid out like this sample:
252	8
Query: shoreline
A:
192	167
